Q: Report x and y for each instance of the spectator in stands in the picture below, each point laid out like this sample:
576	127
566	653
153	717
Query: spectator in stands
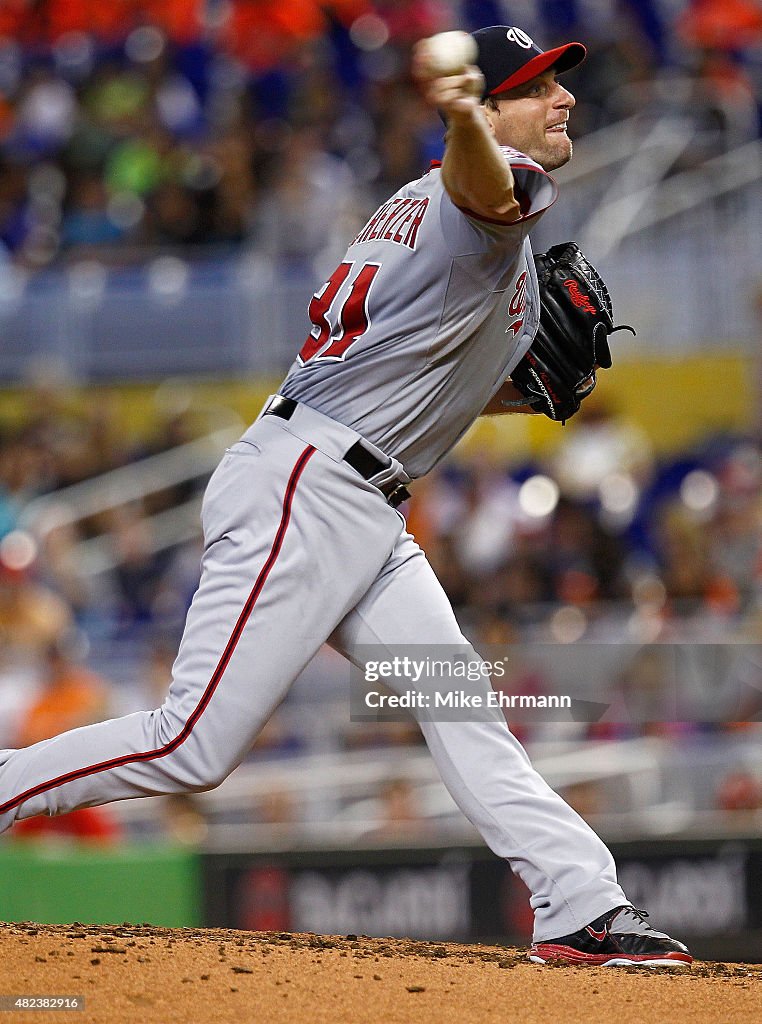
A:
739	790
719	34
584	560
86	222
32	617
588	798
139	566
600	444
399	816
401	137
46	111
70	696
685	553
311	204
137	94
8	509
648	698
736	534
731	25
26	467
182	819
278	807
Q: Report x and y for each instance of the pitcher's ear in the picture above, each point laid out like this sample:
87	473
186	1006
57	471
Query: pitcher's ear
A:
490	113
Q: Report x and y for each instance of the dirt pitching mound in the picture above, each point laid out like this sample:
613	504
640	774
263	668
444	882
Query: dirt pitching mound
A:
129	974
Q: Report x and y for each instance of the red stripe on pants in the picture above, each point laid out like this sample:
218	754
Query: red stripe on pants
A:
243	618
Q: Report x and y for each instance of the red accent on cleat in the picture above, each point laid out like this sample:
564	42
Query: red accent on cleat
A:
547	951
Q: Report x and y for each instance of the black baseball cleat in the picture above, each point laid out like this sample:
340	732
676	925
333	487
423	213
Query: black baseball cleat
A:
621	937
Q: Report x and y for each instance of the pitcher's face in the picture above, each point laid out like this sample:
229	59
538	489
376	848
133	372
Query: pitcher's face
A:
532	118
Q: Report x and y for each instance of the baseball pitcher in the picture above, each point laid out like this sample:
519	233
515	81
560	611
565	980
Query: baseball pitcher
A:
435	315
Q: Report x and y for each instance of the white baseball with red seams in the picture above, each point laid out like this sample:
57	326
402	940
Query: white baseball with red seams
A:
416	329
449	53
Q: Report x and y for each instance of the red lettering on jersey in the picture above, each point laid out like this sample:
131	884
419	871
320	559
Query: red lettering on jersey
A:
397	237
319	307
354	319
579	298
377	223
342	326
380	212
393	220
382	229
408	216
384	225
396	221
517	305
419	214
390	213
519	300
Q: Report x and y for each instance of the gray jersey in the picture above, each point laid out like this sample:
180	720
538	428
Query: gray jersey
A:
424	319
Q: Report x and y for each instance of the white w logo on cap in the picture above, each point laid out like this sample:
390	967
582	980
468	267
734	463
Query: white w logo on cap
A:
516	35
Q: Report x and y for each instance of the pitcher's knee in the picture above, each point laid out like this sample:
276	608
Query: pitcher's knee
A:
193	774
197	768
198	758
212	775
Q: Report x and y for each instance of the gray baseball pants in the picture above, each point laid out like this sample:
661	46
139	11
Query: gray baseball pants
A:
299	549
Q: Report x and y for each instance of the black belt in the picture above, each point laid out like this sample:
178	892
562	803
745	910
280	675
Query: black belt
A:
358	457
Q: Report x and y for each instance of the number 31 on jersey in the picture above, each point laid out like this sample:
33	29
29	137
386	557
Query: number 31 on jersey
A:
337	323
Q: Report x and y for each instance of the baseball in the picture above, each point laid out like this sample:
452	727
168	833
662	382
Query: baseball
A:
448	53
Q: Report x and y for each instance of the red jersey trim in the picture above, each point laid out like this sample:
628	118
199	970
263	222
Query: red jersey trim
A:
506	223
520	197
522	167
227	654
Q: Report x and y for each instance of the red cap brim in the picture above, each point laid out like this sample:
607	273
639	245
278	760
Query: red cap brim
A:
562	58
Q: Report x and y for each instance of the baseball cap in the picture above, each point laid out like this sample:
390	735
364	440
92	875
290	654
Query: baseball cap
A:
509	57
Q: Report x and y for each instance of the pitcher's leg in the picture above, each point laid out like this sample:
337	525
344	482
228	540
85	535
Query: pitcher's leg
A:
274	539
567	868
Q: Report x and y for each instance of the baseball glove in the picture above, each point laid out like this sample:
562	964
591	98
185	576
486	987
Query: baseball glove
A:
576	318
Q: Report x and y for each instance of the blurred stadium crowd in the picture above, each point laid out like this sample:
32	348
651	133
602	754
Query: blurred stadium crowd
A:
599	520
132	123
128	126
